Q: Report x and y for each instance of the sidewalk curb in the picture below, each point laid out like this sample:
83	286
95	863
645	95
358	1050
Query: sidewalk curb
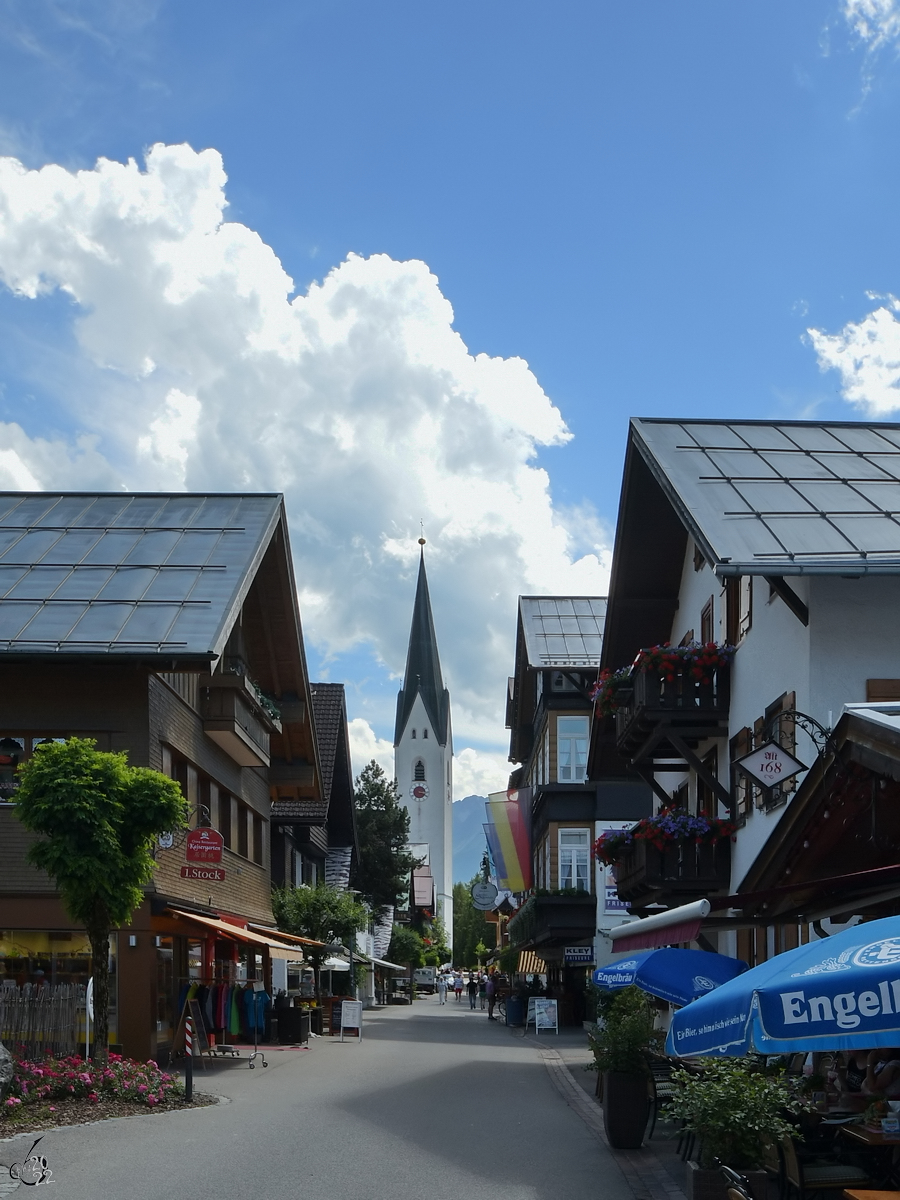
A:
647	1178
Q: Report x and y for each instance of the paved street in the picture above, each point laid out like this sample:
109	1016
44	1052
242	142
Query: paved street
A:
435	1102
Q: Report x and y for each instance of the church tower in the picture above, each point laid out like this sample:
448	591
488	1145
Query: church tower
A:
423	750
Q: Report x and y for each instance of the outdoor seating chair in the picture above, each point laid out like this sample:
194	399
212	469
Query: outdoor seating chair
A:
773	1163
661	1088
738	1185
807	1179
686	1143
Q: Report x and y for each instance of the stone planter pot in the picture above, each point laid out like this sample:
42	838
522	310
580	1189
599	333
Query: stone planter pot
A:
626	1107
708	1184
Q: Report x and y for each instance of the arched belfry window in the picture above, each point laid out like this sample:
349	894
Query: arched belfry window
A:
414	733
424	733
419	770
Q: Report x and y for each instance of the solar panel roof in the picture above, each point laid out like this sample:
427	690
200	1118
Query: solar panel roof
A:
563	631
782	497
159	575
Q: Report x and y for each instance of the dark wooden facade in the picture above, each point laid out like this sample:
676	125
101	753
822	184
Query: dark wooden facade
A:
167	713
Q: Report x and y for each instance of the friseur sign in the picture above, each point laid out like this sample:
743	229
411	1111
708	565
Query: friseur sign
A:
204	845
579	954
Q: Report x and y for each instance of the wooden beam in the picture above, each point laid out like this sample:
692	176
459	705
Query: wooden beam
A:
785	592
697	763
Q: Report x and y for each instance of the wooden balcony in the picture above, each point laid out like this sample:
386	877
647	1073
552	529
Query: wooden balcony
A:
554	920
690	708
680	872
236	720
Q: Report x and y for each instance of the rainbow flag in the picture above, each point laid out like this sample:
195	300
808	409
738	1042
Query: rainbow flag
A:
496	853
508	813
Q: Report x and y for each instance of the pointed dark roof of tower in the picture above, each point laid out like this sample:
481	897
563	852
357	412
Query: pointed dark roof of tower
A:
423	668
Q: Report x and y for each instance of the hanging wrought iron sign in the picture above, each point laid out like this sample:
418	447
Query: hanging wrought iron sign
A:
204	845
770	765
484	895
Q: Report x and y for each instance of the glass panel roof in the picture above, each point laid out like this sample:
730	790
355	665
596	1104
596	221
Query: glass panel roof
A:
773	497
96	573
13	615
836	497
39	582
571	638
802	501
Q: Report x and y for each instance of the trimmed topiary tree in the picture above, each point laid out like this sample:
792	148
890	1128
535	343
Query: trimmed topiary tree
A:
97	819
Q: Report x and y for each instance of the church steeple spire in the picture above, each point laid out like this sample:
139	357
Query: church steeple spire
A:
423	666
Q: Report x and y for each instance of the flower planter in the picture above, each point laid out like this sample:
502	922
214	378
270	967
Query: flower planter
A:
682	868
702	1183
626	1107
694	707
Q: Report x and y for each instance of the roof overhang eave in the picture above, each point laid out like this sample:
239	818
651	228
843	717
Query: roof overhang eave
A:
153	662
840	567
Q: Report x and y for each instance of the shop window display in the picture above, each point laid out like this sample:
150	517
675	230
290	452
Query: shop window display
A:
51	957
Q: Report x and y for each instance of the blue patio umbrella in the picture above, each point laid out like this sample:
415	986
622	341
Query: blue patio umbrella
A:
679	976
839	993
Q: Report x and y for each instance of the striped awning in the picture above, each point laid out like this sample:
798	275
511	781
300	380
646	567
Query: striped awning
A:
530	964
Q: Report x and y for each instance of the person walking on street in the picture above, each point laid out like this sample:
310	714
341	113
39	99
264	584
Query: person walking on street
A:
442	989
472	991
482	994
491	993
458	987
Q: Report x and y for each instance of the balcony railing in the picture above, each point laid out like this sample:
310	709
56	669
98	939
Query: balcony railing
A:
680	870
236	720
554	920
691	707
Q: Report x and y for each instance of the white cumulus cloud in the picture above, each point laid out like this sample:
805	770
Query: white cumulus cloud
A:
866	353
875	22
366	745
197	366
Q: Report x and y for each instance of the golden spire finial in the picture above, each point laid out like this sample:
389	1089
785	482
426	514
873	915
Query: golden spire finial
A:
422	536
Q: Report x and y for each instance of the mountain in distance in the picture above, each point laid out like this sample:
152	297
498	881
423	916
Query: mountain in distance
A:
469	843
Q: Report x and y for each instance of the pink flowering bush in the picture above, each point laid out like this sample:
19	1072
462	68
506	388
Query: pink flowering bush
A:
121	1079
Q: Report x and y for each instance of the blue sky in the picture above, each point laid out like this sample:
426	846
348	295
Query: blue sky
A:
649	204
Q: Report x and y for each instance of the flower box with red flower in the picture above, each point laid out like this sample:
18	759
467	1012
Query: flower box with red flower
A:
674	855
687	687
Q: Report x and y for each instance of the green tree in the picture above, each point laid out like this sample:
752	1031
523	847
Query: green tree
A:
382	825
324	913
470	927
439	945
406	947
97	818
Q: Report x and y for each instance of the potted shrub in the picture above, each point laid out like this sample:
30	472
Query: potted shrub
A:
730	1105
621	1042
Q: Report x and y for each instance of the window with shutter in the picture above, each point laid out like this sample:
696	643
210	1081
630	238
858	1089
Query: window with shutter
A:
882	689
740	746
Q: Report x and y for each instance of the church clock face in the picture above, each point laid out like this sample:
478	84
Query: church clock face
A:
419	791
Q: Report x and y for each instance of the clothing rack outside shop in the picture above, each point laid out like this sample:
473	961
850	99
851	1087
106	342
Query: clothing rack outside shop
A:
226	1012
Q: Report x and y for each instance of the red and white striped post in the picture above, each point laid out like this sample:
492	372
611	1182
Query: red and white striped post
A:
189	1054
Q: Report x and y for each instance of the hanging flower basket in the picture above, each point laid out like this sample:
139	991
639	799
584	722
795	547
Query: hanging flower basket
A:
611	691
671	825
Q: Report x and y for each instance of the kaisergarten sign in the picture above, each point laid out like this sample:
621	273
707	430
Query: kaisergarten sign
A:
770	765
204	845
